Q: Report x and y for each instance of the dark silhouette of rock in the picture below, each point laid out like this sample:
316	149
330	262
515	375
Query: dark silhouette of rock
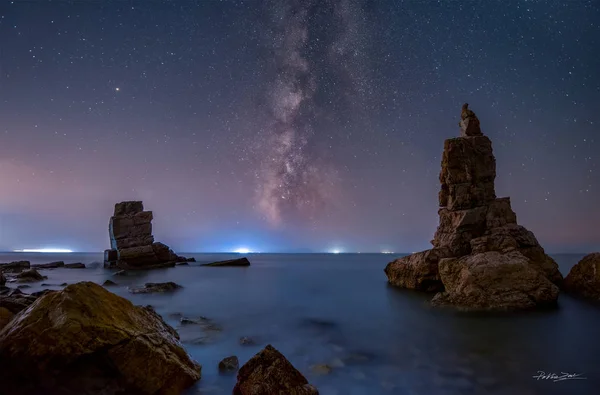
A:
14	267
229	364
16	301
120	273
132	243
109	283
42	293
156	287
2	279
269	372
473	223
51	265
231	262
29	276
584	278
115	347
5	317
77	265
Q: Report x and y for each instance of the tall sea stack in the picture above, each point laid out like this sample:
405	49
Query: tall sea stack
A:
131	240
481	258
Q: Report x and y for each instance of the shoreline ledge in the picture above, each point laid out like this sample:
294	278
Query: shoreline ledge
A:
481	259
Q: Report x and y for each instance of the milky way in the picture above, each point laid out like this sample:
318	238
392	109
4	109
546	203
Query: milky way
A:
293	179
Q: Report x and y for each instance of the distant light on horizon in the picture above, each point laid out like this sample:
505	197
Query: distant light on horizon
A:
45	250
335	251
387	252
242	251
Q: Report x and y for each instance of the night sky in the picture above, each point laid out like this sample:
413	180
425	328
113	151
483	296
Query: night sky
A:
292	125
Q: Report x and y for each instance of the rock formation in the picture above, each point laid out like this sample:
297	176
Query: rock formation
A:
481	258
86	340
132	243
229	364
14	267
584	278
269	372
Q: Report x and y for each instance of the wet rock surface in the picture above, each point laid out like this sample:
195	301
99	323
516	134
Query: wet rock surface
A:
85	339
269	372
229	364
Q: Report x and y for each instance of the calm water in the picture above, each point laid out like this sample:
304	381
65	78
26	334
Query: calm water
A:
339	310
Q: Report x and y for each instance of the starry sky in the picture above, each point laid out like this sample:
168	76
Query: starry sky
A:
292	125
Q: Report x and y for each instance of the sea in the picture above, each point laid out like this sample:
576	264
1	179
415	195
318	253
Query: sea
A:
338	310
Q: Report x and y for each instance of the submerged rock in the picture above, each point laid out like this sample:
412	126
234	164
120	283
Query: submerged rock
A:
51	265
269	372
584	278
229	364
321	369
85	339
247	341
231	262
109	283
29	276
77	265
199	330
156	287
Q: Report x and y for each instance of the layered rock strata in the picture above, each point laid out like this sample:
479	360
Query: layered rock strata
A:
481	257
131	240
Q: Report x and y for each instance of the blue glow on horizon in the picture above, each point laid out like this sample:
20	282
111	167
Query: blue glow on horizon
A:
46	250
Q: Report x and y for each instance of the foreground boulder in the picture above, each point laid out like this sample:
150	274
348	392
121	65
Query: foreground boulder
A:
132	243
85	339
472	223
584	278
268	373
231	262
16	301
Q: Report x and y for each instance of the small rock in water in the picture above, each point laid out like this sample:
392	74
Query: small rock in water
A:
51	265
269	372
77	265
231	262
109	283
14	267
30	276
24	286
182	264
321	369
247	341
120	273
229	364
156	287
337	363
